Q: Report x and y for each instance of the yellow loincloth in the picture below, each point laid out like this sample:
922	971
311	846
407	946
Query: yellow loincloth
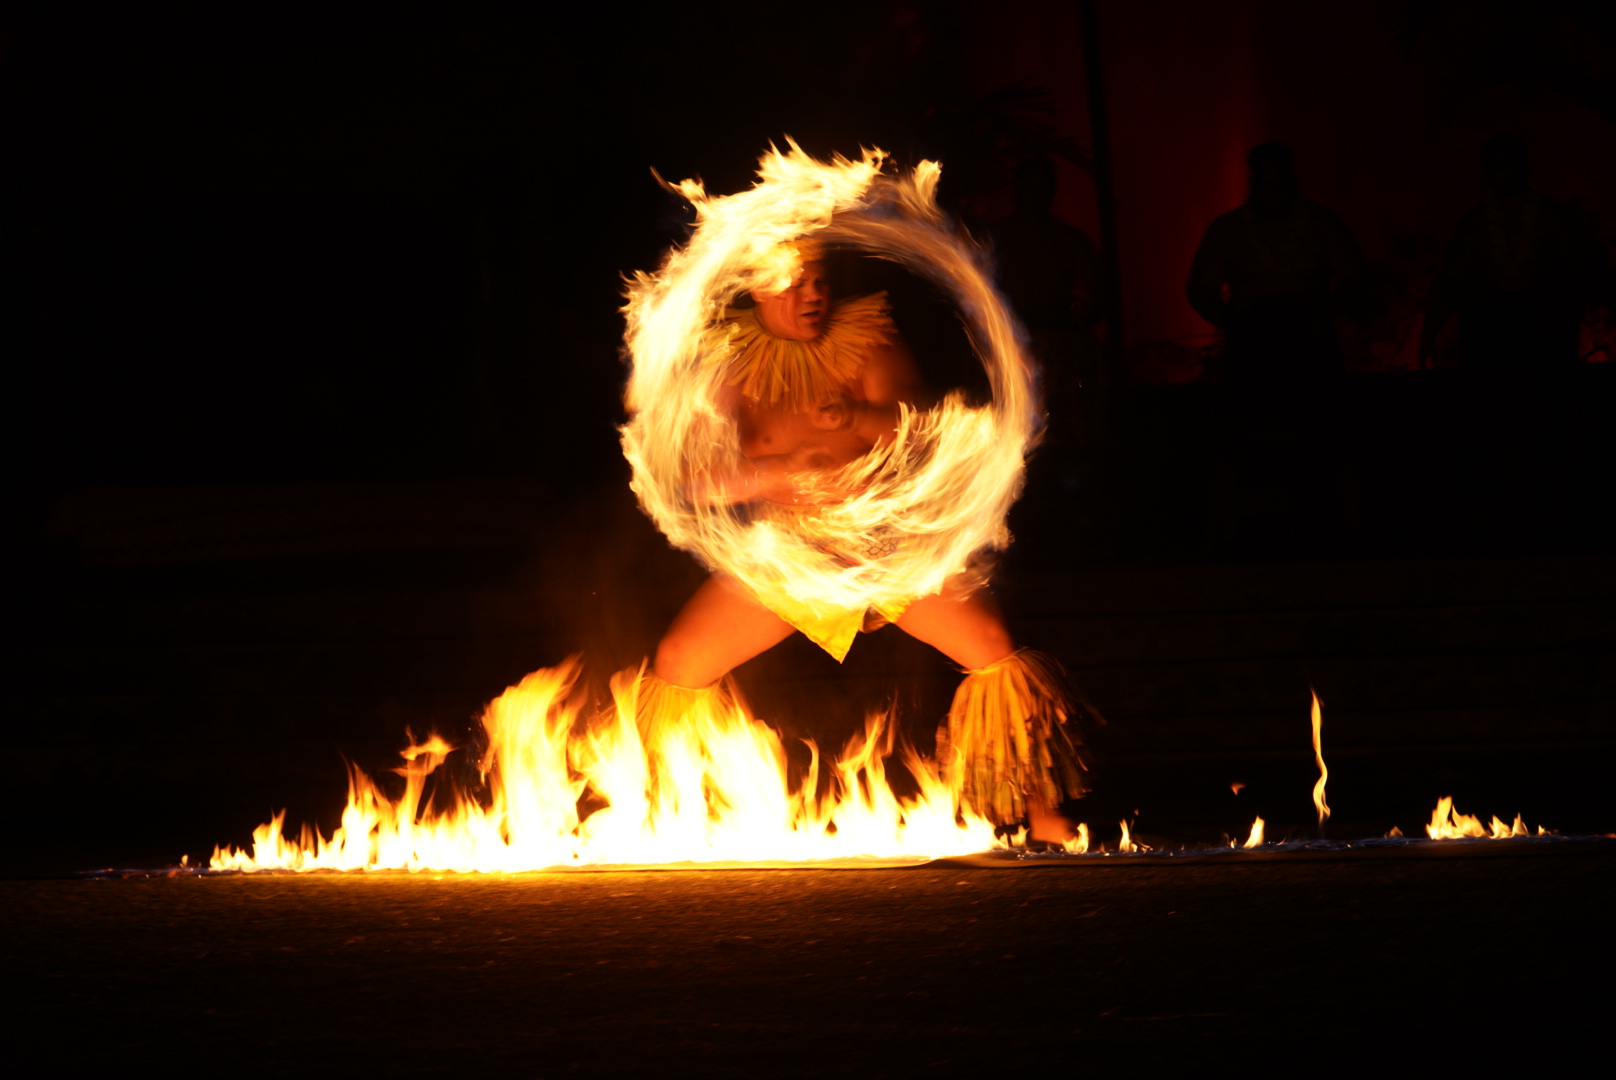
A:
835	629
831	628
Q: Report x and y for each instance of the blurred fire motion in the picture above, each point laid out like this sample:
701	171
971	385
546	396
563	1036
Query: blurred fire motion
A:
905	517
710	783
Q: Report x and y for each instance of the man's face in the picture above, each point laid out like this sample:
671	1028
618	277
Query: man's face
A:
799	312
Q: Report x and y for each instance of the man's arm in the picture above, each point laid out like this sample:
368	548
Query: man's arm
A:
785	476
771	477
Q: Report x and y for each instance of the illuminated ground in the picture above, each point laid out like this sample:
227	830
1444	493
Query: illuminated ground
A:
883	972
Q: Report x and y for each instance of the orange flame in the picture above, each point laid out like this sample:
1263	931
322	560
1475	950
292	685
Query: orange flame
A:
715	789
1324	773
1256	837
1448	824
1128	842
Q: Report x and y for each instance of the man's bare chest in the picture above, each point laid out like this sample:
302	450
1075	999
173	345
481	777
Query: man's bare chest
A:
771	431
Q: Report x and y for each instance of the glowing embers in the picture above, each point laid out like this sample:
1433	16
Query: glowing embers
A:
708	784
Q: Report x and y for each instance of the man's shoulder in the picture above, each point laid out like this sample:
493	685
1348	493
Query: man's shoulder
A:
1323	215
1227	230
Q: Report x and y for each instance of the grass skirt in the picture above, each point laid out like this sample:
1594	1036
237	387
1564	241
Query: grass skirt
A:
1010	736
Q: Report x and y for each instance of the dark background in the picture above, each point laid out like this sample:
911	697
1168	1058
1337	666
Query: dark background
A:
312	378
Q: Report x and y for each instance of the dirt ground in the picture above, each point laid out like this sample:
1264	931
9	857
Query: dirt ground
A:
1092	969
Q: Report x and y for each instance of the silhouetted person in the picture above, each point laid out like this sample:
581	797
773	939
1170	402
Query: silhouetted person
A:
1050	272
1515	274
1048	269
1265	274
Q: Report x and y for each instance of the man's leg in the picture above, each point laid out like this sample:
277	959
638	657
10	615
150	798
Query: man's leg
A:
719	628
970	631
967	629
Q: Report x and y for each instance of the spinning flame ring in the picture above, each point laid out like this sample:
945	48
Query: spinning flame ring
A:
925	503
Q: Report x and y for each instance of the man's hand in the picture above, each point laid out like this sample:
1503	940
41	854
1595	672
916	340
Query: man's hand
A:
796	478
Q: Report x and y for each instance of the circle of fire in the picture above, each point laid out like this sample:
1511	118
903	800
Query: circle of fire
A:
921	505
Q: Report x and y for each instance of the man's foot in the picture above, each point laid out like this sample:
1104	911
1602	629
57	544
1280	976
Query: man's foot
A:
1046	824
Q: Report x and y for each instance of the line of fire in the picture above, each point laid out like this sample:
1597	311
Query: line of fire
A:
894	537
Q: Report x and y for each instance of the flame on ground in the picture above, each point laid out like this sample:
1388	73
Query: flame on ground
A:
710	787
1128	842
1448	824
1255	839
707	786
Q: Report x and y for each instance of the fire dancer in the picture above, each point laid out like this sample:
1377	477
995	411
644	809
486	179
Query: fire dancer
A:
813	385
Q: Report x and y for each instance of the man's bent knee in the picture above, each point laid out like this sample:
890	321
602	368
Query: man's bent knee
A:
995	643
678	663
985	645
